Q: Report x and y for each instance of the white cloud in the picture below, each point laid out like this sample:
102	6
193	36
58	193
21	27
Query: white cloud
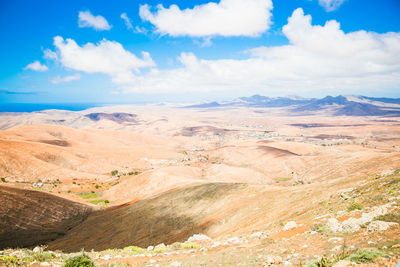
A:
226	18
64	79
127	21
106	57
36	66
318	58
48	54
86	19
331	5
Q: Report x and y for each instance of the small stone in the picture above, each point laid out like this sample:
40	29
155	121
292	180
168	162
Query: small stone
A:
379	226
216	244
106	257
176	264
37	250
257	235
198	237
290	225
343	263
150	248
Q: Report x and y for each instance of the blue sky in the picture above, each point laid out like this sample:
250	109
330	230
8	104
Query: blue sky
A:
197	50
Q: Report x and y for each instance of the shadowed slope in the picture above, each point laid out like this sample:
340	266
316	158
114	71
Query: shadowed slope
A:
30	217
170	217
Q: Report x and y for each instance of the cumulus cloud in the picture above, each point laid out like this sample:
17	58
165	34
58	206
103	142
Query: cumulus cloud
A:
226	18
128	23
64	79
330	5
36	66
86	19
317	58
106	57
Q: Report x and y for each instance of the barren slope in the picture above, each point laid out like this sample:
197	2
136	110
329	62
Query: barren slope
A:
31	217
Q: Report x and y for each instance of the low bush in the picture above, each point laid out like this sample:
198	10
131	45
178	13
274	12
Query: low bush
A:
354	206
393	216
133	249
88	195
98	201
191	245
82	260
43	256
9	261
365	255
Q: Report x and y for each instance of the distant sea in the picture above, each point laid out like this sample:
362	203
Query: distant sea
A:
29	107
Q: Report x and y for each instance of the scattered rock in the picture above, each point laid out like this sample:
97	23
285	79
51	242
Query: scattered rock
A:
233	240
337	248
150	248
106	257
198	237
378	226
176	264
38	249
343	263
258	235
216	244
334	225
162	245
271	259
335	239
290	225
345	193
352	225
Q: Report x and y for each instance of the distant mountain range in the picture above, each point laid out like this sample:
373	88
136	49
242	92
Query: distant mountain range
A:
349	105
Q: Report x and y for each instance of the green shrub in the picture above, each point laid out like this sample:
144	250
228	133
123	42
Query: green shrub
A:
9	261
132	249
365	255
3	180
191	245
319	227
393	216
43	256
114	172
354	206
160	249
322	262
88	195
105	201
82	260
176	245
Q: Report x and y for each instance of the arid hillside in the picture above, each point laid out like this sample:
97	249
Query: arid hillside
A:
32	217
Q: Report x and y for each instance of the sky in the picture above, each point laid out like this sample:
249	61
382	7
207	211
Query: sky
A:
127	51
